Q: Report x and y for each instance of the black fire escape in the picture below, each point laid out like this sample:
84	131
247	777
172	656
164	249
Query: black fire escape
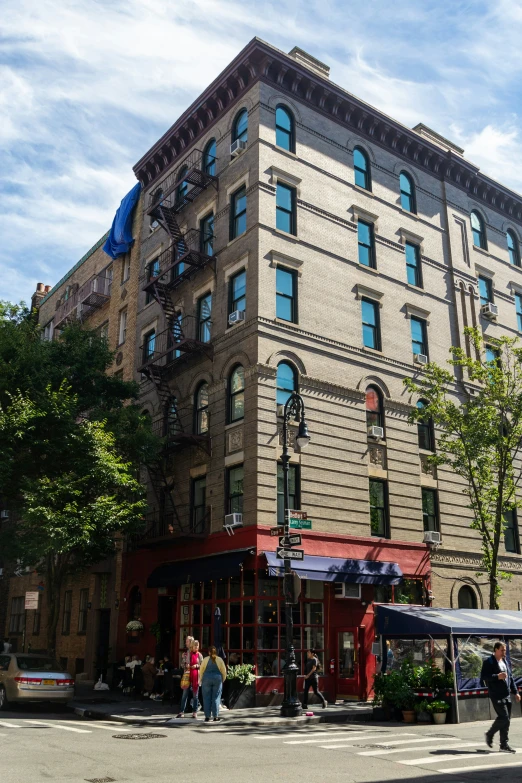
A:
185	337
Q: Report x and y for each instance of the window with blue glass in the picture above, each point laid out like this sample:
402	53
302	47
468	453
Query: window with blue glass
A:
240	129
149	341
485	290
370	324
209	158
183	186
285	208
518	304
286	295
413	264
366	244
478	231
492	354
361	167
153	270
238	212
407	192
206	234
180	248
286	382
204	318
513	248
237	292
419	339
285	129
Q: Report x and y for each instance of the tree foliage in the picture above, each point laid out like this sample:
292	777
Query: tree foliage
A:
478	410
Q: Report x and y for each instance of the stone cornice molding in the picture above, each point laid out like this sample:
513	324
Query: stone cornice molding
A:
306	383
399	406
259	61
469	560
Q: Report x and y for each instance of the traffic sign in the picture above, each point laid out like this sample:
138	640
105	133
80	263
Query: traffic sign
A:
277	531
301	524
291	540
297	514
31	600
290	554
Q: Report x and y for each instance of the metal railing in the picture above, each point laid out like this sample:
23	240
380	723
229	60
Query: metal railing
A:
161	526
180	260
190	171
177	428
186	335
90	296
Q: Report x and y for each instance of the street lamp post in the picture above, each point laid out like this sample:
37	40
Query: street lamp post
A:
294	408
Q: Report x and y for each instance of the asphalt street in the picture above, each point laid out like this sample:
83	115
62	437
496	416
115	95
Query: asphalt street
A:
39	746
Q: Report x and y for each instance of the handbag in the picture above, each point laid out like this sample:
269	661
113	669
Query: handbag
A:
185	681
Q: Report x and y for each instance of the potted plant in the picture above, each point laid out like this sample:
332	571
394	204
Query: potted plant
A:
134	627
406	702
241	686
421	708
438	709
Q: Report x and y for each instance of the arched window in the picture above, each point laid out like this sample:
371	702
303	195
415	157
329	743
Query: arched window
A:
135	604
285	129
172	422
286	382
183	185
425	430
361	165
201	409
478	230
236	395
513	248
407	192
467	598
374	407
209	158
240	129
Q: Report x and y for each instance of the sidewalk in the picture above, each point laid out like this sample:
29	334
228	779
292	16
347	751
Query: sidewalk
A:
113	705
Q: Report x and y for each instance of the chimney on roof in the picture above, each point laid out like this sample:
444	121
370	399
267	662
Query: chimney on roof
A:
437	139
303	58
41	291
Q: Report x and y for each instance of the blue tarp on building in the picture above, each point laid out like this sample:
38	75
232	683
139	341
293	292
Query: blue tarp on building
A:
120	238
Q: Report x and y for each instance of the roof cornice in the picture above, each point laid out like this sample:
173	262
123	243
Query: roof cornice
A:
260	61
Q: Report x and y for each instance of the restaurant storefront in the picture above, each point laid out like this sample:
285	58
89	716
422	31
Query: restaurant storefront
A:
341	580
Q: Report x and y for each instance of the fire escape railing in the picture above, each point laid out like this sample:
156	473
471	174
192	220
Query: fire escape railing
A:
179	262
186	335
161	526
93	294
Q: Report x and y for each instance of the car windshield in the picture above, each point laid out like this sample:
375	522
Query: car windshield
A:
27	664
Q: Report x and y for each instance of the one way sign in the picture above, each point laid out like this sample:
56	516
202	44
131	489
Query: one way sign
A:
291	554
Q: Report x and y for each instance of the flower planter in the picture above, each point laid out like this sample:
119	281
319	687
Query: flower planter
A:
439	718
408	716
423	717
240	696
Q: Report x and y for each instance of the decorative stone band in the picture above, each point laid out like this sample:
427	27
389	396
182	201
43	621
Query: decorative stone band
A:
471	561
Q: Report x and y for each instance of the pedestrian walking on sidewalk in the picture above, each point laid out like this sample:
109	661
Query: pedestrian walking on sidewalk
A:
212	675
194	659
499	680
311	679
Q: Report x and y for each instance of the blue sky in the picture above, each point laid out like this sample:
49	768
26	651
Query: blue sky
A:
87	87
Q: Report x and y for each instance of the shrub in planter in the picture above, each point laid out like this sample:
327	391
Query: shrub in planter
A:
438	709
421	708
241	690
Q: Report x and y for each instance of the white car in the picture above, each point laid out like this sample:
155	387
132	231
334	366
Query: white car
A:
25	677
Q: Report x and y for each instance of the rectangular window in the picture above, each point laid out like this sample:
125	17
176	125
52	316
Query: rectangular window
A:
66	619
366	244
378	508
122	329
109	273
426	435
204	318
492	354
149	341
293	487
419	339
152	271
286	208
237	295
485	290
518	302
238	213
235	490
413	264
370	324
17	616
199	504
47	333
430	514
125	268
511	537
82	611
206	229
286	295
104	331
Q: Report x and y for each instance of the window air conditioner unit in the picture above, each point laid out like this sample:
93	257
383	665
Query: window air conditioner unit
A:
344	590
432	537
236	317
4	514
376	432
237	147
232	521
420	358
489	310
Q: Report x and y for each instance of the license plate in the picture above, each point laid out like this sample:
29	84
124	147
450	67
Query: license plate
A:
48	682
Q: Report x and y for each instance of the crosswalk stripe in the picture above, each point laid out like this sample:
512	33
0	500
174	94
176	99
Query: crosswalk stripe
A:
421	749
99	726
480	767
315	734
364	737
56	726
8	725
449	757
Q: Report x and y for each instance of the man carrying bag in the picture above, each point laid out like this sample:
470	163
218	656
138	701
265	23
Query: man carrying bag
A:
497	677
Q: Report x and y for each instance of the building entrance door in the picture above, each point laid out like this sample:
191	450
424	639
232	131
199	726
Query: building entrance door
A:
348	664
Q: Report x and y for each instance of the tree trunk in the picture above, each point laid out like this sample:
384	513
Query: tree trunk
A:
493	578
53	603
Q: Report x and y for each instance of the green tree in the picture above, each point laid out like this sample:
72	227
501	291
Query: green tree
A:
478	410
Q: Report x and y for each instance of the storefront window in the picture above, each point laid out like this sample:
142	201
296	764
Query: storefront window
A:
409	591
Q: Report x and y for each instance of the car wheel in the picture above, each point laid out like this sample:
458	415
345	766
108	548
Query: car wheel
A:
3	698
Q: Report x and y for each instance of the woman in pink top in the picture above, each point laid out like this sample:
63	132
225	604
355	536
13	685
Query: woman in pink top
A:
193	659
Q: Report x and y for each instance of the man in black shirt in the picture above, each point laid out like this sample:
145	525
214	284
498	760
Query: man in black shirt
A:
311	679
499	680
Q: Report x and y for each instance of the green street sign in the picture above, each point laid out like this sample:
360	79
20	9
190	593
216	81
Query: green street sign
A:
301	524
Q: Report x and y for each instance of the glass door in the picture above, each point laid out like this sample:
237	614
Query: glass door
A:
347	663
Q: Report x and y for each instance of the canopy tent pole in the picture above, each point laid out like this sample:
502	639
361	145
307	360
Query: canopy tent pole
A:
453	669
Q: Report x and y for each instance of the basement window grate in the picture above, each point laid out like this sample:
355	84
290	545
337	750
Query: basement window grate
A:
138	736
